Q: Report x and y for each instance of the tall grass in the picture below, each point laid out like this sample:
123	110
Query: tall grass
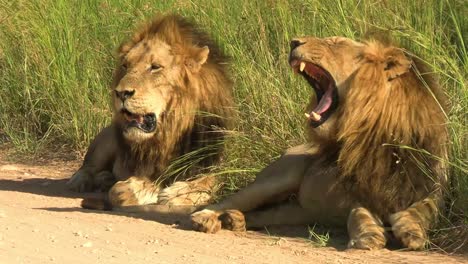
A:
56	59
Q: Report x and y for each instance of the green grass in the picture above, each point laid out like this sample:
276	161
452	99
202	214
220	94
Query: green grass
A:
318	239
56	59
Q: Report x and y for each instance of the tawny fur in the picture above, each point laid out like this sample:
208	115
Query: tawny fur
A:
379	158
189	90
209	91
384	111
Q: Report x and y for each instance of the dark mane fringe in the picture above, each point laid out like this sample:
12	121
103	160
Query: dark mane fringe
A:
392	131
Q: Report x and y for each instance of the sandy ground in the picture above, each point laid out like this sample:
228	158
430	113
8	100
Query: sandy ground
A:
41	222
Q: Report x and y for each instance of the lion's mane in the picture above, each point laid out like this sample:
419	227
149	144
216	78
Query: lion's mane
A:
392	131
209	92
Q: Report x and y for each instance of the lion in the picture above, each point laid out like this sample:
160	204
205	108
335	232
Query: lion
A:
375	155
172	101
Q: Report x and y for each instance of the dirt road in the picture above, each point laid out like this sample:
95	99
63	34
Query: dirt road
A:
41	222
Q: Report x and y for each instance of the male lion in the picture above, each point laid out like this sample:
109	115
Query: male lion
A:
171	97
377	141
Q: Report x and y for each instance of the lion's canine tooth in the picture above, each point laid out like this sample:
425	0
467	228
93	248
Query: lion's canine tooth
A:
315	116
302	66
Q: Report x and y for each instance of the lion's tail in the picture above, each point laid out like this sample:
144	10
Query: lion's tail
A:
104	204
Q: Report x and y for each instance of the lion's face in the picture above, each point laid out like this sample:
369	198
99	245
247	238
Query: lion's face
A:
326	64
150	77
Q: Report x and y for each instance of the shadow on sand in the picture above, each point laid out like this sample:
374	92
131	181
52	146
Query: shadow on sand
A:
57	188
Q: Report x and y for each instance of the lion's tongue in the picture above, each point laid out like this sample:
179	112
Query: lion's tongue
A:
133	117
322	106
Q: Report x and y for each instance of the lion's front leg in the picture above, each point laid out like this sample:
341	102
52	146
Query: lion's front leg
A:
95	173
196	192
410	225
365	230
282	177
133	191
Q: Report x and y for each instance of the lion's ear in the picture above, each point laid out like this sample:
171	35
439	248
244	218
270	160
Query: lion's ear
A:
396	63
202	55
198	57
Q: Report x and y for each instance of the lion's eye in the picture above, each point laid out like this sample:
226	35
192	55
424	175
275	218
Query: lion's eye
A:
155	67
124	66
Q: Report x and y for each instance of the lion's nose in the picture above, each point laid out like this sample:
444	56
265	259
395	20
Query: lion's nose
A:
296	43
124	95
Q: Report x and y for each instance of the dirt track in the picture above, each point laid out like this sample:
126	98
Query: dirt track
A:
41	222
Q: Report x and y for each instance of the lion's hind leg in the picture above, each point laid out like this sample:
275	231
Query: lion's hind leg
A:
410	225
365	230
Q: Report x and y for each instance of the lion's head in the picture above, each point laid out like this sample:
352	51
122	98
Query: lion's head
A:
326	64
381	110
170	89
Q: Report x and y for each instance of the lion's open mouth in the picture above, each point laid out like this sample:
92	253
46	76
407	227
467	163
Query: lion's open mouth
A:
146	123
324	87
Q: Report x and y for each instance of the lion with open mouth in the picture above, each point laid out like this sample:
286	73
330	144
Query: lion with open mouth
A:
375	157
171	99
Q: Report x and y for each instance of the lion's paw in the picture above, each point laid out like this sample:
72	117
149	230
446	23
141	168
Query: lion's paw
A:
408	230
81	181
84	181
368	241
365	230
103	181
233	220
183	193
133	191
206	221
123	194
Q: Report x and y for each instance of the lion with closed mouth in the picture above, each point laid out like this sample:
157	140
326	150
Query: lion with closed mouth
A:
171	96
375	157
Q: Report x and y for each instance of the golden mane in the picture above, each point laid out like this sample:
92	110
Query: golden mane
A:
388	146
208	91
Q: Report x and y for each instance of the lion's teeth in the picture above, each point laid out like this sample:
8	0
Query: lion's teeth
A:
315	116
302	66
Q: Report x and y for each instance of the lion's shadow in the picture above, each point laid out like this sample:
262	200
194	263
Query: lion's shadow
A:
336	238
40	186
317	236
57	188
176	220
